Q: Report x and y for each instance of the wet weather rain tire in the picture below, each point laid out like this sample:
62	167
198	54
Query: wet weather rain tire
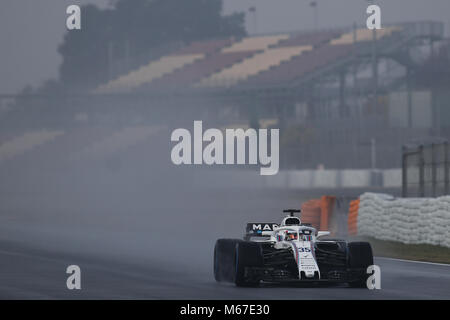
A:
247	254
224	259
360	257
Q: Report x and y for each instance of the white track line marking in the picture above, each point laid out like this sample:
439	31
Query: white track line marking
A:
414	261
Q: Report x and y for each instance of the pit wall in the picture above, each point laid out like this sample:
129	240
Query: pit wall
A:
405	220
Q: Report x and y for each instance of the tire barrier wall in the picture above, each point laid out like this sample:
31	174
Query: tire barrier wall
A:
406	220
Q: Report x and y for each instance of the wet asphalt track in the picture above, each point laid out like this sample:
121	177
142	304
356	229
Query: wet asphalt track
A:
30	273
137	247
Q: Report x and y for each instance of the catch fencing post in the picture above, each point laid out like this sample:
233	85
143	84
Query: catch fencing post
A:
404	173
421	172
446	168
433	169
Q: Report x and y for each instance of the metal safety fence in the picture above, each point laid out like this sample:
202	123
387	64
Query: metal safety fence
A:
425	170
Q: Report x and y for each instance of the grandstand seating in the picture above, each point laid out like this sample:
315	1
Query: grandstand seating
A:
300	65
363	35
251	66
255	43
26	142
148	73
193	73
118	141
205	47
52	149
311	39
251	60
56	152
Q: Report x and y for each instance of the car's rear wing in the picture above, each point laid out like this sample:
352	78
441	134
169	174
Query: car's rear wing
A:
259	229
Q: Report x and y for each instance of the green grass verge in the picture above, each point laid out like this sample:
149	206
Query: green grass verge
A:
418	252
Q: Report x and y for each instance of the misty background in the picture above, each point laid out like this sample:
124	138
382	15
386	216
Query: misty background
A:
31	31
86	175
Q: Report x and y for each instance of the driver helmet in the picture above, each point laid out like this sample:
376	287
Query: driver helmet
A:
291	235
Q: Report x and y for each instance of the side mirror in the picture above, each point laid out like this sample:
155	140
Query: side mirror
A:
323	233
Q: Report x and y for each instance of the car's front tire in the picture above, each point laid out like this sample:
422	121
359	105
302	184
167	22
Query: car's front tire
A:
224	252
360	257
247	254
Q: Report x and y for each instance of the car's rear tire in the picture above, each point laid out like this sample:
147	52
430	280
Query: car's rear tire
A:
224	255
360	257
247	254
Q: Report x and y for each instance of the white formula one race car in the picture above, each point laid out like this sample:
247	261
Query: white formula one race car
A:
290	252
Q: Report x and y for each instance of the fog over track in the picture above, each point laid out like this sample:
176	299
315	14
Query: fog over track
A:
138	228
165	251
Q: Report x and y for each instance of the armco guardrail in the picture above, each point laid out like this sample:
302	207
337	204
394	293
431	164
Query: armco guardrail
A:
406	220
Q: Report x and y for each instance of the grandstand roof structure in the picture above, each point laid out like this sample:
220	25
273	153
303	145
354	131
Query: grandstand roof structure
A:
283	60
